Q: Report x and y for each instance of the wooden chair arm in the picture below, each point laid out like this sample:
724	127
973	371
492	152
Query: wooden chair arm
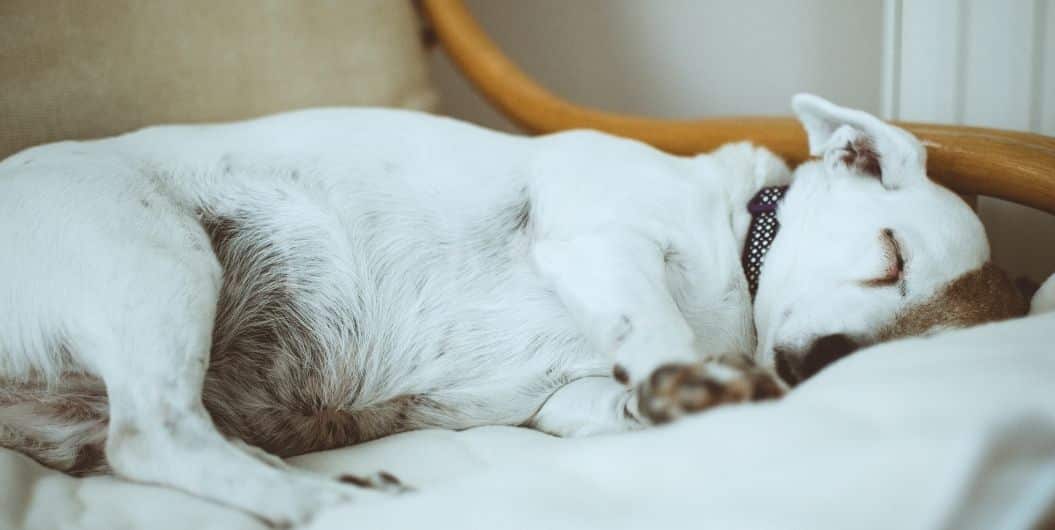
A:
1015	166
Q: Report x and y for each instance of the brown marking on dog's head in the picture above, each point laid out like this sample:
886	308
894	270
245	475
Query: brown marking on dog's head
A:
980	296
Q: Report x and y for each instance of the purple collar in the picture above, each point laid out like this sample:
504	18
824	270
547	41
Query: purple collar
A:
761	233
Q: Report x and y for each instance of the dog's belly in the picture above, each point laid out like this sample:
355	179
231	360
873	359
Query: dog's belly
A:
318	344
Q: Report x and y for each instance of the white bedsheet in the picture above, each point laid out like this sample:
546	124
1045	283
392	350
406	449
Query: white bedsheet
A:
955	431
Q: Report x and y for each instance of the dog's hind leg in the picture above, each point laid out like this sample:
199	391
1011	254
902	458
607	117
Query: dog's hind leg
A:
127	283
151	349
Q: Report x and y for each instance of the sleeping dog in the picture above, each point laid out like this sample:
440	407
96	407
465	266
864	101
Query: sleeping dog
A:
180	303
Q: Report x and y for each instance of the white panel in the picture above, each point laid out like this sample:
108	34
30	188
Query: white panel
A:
930	55
1003	57
1014	234
1046	86
890	79
999	66
990	63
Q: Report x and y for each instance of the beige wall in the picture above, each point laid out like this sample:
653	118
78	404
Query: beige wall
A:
682	58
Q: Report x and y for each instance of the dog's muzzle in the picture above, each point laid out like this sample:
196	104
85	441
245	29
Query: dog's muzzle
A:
796	367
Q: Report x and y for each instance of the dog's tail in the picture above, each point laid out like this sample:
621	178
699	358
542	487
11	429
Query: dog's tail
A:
62	427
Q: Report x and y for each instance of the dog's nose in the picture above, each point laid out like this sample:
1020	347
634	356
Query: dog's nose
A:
795	368
785	368
826	350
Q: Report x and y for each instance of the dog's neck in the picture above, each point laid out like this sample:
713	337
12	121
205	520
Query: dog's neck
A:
760	233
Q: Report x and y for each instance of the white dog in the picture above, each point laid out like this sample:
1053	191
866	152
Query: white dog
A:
176	301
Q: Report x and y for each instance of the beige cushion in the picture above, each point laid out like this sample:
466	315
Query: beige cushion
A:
87	68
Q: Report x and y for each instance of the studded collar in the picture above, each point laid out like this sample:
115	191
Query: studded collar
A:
761	233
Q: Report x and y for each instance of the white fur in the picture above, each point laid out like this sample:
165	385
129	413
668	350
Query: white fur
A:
407	224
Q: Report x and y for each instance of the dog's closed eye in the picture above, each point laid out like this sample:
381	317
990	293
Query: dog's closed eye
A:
895	262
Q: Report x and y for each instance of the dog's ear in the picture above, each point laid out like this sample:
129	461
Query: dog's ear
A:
855	141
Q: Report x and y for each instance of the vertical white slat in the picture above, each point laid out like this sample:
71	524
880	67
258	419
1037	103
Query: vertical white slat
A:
999	64
1042	227
987	63
929	88
890	77
1046	86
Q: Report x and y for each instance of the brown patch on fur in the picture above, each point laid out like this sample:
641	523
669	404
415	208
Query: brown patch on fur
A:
281	377
91	460
862	156
288	429
977	297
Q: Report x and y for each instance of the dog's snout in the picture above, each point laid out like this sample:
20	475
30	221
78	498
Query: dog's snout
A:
826	350
795	367
785	368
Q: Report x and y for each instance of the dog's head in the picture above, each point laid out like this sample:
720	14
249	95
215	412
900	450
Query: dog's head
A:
869	249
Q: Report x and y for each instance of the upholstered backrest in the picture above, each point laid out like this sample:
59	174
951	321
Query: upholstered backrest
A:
73	69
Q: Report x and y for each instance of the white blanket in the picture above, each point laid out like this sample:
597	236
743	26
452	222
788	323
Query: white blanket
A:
955	431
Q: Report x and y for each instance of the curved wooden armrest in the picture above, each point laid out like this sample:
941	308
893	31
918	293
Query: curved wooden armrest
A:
1016	166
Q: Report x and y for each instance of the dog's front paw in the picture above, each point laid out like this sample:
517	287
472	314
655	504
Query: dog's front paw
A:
674	390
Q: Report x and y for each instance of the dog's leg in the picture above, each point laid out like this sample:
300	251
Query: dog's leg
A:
588	406
615	287
600	405
130	286
674	390
152	360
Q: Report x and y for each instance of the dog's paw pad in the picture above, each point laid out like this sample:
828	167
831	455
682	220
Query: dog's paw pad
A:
381	481
674	390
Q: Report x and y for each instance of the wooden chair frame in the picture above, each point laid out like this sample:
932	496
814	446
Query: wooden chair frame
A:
1015	166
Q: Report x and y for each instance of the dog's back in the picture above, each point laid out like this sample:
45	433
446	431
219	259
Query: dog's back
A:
317	230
